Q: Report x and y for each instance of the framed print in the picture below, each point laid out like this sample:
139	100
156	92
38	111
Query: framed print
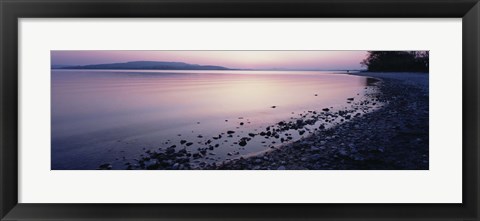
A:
318	110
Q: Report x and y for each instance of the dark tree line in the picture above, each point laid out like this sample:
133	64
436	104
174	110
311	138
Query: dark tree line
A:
414	61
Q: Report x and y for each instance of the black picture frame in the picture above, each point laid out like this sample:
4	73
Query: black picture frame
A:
12	10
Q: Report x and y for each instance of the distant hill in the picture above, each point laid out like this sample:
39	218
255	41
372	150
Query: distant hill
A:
145	65
59	66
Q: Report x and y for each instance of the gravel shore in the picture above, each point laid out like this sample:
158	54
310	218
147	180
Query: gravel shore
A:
394	137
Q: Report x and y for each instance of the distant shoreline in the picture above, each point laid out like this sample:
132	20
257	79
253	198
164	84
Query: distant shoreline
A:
230	69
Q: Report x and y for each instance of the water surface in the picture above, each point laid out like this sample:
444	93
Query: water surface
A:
114	116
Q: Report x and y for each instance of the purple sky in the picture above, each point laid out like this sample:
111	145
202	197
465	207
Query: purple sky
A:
327	60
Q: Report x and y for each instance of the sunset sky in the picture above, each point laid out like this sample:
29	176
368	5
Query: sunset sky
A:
318	60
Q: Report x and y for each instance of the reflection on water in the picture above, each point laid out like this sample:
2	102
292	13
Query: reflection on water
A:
114	116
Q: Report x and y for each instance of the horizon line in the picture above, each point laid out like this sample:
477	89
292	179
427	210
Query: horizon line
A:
70	67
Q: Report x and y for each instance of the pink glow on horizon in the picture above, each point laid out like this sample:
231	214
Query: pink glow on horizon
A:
327	60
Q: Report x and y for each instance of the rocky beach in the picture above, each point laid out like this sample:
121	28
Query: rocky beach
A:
394	137
385	129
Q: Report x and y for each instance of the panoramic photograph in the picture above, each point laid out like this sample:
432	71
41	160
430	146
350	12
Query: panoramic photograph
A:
239	110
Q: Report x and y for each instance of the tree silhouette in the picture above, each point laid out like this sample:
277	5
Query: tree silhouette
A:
414	61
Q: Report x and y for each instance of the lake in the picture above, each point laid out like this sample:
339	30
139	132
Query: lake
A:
115	116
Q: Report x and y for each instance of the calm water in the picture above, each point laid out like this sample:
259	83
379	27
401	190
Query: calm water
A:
115	116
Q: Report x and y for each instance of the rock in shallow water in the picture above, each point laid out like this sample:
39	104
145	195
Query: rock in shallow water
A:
105	166
242	143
